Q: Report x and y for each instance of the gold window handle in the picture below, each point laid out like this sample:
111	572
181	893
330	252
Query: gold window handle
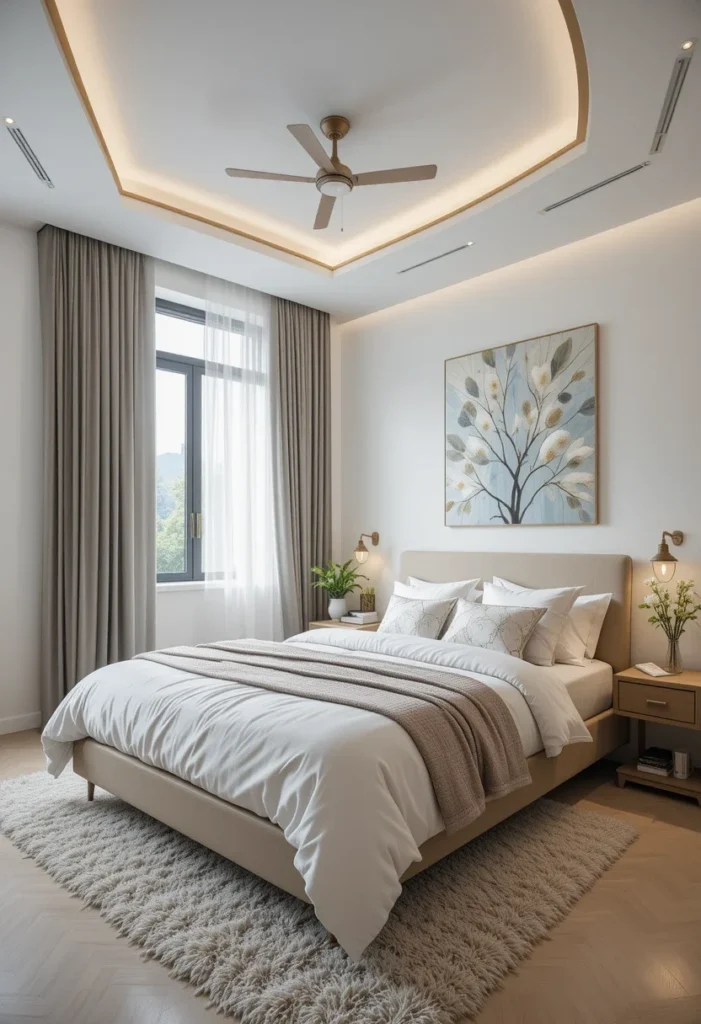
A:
196	525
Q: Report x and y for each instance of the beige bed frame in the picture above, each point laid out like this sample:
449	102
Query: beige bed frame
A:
260	846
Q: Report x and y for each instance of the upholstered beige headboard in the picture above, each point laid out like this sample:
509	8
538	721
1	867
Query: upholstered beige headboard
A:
598	574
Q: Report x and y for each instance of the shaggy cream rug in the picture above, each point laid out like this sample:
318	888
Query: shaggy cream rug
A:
261	955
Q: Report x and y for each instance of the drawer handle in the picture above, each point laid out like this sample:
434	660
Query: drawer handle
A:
657	703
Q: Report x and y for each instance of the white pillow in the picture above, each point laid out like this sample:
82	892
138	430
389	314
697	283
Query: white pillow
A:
583	628
460	588
540	649
417	588
506	630
415	617
587	615
571	648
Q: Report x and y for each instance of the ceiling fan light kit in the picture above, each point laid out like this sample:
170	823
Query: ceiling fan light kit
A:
334	179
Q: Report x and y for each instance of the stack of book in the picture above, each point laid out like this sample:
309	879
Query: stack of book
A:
360	618
656	761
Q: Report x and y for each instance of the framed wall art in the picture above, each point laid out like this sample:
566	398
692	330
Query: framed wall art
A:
521	433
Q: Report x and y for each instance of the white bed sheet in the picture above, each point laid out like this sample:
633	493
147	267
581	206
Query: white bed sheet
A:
347	787
590	686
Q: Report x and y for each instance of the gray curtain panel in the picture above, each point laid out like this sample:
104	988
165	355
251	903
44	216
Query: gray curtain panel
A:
302	456
99	573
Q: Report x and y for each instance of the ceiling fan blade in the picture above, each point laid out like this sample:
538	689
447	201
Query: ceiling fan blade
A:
238	172
421	173
308	140
324	211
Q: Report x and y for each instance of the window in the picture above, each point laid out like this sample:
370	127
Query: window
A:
182	393
179	373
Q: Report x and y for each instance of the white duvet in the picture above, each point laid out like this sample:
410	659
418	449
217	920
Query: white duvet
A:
347	787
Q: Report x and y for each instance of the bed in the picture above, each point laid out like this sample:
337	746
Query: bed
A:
272	851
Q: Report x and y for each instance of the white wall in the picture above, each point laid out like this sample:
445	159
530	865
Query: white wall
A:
21	503
642	284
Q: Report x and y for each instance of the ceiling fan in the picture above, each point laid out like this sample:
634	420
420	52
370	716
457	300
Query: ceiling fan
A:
334	179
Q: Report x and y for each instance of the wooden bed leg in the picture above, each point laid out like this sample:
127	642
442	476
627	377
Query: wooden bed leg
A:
91	790
334	940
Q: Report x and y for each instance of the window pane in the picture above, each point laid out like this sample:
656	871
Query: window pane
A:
222	421
171	418
179	336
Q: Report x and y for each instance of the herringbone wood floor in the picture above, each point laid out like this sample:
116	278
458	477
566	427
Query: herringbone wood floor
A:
629	952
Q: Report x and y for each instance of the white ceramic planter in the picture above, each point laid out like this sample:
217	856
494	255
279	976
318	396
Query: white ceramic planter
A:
337	607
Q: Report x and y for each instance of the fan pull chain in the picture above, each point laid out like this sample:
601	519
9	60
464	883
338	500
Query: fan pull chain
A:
341	214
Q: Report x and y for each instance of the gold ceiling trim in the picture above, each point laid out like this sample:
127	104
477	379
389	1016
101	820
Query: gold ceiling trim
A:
581	68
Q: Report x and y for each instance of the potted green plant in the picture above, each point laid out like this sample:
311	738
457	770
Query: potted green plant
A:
338	581
671	616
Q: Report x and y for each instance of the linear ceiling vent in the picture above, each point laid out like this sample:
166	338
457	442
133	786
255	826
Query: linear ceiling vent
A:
29	154
433	259
593	188
679	72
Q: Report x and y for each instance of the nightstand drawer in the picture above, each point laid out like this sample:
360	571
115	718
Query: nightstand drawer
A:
657	701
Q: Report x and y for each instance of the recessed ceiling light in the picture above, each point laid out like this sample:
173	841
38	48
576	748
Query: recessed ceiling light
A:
9	120
688	44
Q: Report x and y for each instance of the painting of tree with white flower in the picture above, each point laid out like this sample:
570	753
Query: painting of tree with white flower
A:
521	432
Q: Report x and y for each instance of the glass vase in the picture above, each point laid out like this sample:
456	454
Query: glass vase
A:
673	665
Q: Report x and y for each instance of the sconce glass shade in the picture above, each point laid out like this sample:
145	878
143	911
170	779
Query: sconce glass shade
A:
664	564
361	552
664	570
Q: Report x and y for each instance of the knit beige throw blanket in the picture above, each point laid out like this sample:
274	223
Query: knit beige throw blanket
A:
462	729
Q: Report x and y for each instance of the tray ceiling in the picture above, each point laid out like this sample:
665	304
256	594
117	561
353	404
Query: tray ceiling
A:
489	92
631	46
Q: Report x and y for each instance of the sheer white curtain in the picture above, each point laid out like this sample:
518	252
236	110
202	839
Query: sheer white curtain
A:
238	530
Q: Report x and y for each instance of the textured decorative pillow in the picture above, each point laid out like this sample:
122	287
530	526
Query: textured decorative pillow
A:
540	649
502	629
582	629
415	617
417	589
437	591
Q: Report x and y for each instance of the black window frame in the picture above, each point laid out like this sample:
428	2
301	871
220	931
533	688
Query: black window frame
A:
193	371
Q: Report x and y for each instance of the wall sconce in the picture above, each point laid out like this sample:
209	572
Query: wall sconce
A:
663	563
361	552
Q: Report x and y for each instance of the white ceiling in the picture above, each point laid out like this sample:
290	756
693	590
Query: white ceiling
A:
463	84
411	77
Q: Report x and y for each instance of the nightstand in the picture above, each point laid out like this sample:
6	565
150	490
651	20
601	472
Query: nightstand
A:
369	627
675	700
